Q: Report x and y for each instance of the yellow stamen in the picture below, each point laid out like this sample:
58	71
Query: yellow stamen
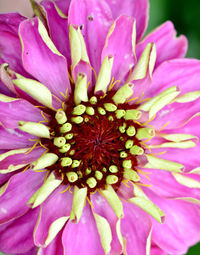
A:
144	185
43	145
167	123
70	76
63	105
159	153
149	120
146	146
26	168
65	190
133	99
90	202
95	74
32	147
40	171
88	84
110	87
140	98
46	176
40	106
143	100
124	182
63	95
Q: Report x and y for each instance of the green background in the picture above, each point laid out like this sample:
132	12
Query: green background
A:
186	18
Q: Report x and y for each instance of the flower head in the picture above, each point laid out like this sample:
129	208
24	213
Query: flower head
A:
99	132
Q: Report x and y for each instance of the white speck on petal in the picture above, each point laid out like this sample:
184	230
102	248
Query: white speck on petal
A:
3	210
99	200
126	56
83	220
163	113
14	132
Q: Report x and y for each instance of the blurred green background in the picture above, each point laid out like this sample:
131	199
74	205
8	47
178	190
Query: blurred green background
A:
186	17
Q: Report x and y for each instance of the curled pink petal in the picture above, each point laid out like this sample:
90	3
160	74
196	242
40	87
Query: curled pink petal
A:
164	37
48	67
137	9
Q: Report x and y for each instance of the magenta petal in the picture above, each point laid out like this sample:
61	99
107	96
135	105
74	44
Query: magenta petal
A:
14	139
48	67
164	184
5	177
135	227
138	9
119	45
95	18
21	158
21	111
4	90
17	236
9	41
21	187
183	73
58	28
63	5
165	38
55	247
181	227
102	208
56	206
155	250
82	236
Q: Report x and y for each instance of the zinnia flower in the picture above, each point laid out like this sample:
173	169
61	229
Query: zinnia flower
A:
99	132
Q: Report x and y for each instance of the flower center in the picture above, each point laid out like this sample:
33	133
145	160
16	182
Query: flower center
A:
97	142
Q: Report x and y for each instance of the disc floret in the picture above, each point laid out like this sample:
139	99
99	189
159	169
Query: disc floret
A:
96	141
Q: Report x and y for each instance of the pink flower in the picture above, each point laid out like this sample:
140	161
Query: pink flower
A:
99	136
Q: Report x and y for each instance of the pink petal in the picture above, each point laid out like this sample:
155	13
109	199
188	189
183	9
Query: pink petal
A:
135	227
14	139
138	9
22	158
168	46
56	206
4	90
33	251
102	208
4	178
169	114
82	236
58	28
63	5
55	247
21	187
95	17
164	184
21	111
9	41
119	45
183	73
17	236
155	250
181	227
46	66
181	155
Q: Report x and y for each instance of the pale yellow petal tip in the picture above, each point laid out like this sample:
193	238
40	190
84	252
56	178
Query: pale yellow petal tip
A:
142	201
163	164
114	201
45	190
33	128
104	76
104	232
79	199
